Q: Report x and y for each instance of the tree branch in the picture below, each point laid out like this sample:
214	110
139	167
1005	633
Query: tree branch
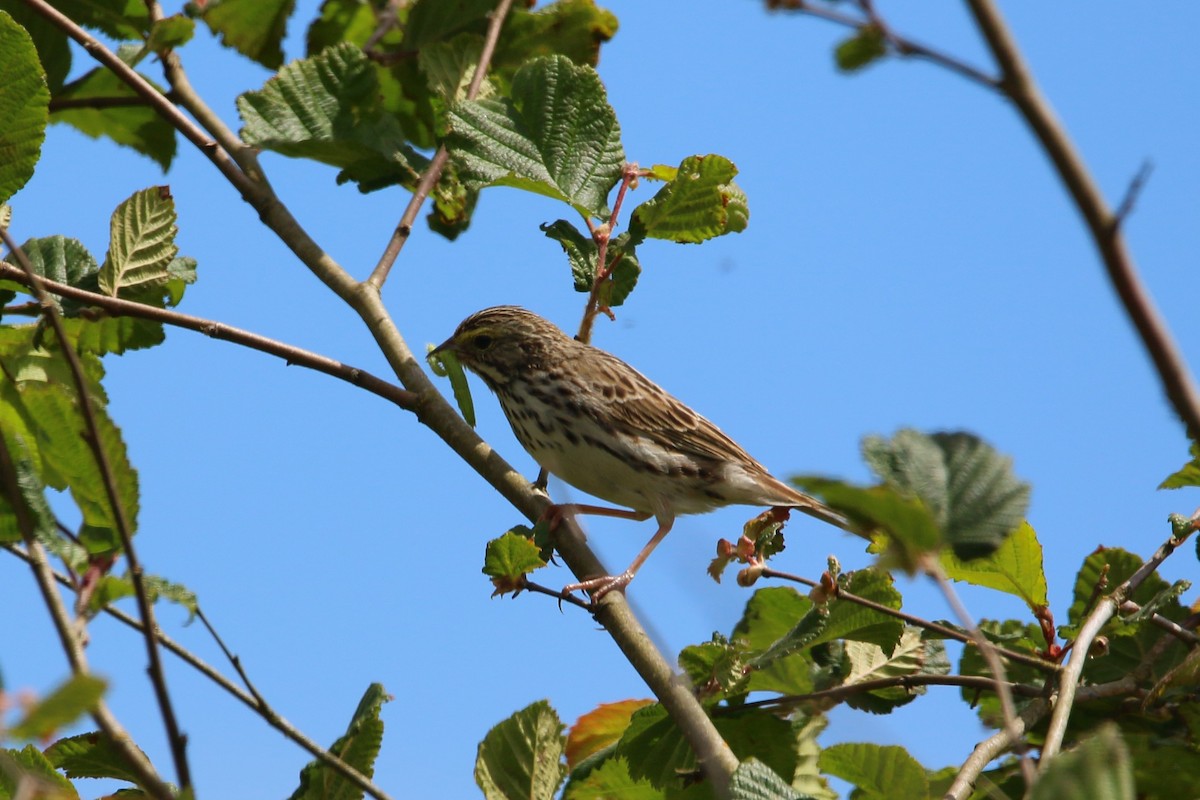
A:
148	778
435	412
218	330
1019	85
899	682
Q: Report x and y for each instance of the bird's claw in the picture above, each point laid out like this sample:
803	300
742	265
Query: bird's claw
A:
598	587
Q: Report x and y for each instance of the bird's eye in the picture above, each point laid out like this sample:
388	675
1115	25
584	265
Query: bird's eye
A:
481	342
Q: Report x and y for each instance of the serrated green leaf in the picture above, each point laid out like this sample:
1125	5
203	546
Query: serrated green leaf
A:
868	44
878	771
850	620
557	136
970	489
769	615
804	633
34	510
134	126
60	259
358	747
142	243
510	557
908	524
611	780
1098	769
159	588
1188	474
327	108
171	32
572	28
24	107
583	254
1015	567
869	662
449	67
754	780
808	779
22	770
53	48
716	668
109	589
255	28
521	758
91	755
700	202
1102	571
120	19
436	20
72	699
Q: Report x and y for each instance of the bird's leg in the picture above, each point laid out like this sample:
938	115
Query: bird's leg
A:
554	514
598	587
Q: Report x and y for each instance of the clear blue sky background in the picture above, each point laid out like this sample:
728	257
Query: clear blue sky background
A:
910	261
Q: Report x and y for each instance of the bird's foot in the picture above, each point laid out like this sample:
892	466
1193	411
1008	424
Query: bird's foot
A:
598	587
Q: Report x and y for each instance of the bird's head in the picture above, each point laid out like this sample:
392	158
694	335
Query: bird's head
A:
501	343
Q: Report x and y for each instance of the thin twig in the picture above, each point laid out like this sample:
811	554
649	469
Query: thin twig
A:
557	594
992	748
1092	625
899	682
148	778
987	650
124	528
118	307
434	171
900	45
941	630
601	235
252	700
1132	193
1178	631
1105	229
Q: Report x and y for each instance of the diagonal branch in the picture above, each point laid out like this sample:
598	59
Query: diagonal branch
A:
1019	85
118	307
124	528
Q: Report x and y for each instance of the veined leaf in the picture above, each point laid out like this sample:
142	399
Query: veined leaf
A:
1015	567
878	771
24	104
700	201
358	747
521	758
556	136
142	243
255	28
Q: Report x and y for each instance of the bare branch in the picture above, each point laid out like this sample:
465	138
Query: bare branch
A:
218	330
898	682
1019	85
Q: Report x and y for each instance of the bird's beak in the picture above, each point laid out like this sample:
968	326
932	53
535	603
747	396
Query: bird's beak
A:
447	346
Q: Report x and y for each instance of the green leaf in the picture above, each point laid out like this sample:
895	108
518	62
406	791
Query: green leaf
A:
881	510
142	243
1015	568
557	136
446	364
327	108
60	259
20	770
1098	769
36	511
808	779
24	104
970	488
699	202
74	698
120	19
509	558
850	620
611	780
1103	571
769	615
358	747
521	758
599	729
159	588
436	20
91	755
255	28
134	126
343	21
878	771
716	668
582	255
53	48
754	780
450	66
865	46
572	28
1188	474
911	656
170	32
806	632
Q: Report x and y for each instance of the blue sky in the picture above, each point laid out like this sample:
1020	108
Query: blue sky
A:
910	261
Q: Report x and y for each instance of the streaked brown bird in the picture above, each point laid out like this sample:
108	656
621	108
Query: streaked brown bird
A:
600	425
